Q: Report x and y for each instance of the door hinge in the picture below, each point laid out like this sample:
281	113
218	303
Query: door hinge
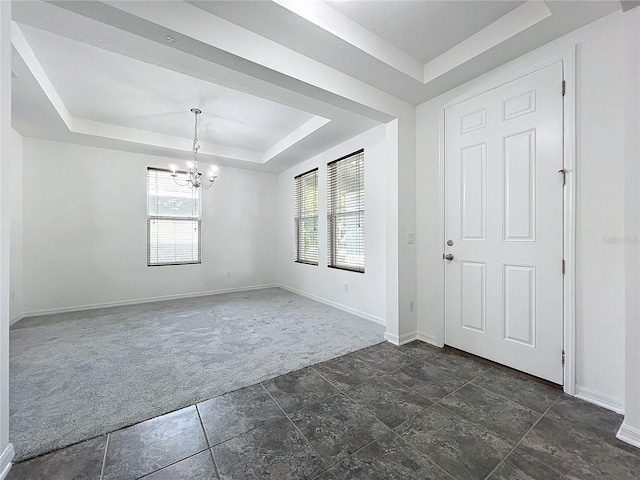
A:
563	358
564	267
564	87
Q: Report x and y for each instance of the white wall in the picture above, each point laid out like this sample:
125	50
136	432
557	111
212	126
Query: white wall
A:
600	204
630	429
367	291
6	155
16	294
407	268
85	230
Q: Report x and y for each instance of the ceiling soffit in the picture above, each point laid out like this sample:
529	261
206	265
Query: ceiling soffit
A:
317	72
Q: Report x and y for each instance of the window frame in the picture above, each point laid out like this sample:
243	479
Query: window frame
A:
332	215
151	217
298	217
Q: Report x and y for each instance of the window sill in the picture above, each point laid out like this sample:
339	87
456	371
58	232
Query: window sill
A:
306	263
348	269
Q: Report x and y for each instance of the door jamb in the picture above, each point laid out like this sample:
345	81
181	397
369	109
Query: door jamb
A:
568	60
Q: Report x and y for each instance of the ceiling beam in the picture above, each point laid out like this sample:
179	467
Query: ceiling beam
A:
25	51
332	21
226	43
511	24
629	4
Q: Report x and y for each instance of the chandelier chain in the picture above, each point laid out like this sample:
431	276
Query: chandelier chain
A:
193	177
196	145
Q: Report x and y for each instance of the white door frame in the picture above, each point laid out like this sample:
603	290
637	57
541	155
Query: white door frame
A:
519	70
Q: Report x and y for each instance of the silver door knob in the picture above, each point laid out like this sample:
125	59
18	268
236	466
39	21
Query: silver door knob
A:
449	257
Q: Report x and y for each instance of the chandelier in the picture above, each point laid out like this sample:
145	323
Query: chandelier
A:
193	177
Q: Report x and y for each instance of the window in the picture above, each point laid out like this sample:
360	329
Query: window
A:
174	215
306	217
345	214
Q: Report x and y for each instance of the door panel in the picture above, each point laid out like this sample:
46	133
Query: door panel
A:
472	211
519	186
473	298
504	214
519	312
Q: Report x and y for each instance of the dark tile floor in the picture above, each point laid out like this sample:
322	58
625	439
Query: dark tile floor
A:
385	412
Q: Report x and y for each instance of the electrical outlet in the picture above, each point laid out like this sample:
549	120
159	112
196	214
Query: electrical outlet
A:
13	295
346	287
228	274
411	306
411	238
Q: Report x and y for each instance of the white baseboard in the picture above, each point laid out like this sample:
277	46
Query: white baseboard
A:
402	339
339	306
5	461
408	337
136	301
629	434
430	339
392	338
599	399
15	319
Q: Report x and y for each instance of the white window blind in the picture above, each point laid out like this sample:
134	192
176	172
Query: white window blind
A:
306	217
174	215
345	212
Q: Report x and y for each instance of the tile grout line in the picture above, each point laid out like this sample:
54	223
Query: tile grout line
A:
172	464
393	430
370	410
431	406
104	457
412	446
326	379
415	450
458	389
206	436
448	372
439	402
394	348
457	415
206	439
331	395
389	431
512	399
414	416
211	446
520	441
204	430
298	430
377	375
470	382
431	399
240	434
368	363
340	392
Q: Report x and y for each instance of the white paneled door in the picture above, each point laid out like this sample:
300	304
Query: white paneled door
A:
504	224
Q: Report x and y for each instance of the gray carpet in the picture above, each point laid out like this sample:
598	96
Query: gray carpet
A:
77	375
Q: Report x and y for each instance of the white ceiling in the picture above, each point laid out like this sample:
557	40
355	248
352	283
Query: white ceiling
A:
278	81
412	26
107	87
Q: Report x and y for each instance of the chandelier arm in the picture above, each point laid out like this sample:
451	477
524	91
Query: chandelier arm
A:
186	183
